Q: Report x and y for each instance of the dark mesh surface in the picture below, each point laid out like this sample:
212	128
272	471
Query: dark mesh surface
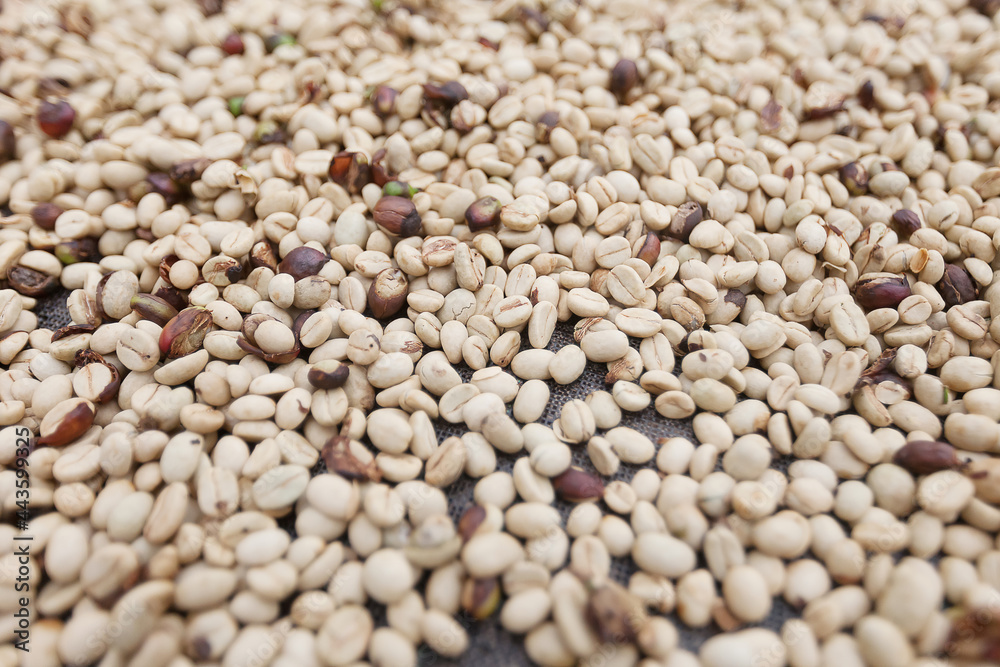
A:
51	311
489	644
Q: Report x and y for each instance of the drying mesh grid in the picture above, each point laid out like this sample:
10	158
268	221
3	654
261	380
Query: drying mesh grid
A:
52	312
489	644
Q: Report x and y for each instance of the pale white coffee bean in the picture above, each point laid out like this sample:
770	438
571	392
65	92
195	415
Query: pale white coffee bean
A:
387	575
660	553
746	593
488	555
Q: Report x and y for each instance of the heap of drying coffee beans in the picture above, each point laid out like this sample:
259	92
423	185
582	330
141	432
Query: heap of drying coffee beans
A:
281	228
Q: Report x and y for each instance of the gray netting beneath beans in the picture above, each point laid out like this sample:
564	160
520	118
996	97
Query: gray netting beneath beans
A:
489	644
51	311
